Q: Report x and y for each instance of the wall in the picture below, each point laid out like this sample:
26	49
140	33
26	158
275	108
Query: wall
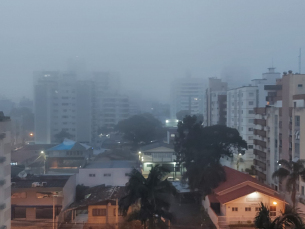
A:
69	192
209	210
118	176
244	201
110	218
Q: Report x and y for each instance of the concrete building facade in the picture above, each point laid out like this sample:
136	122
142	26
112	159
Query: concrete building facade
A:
187	94
215	103
5	172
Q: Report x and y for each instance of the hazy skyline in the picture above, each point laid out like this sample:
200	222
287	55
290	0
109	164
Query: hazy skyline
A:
149	43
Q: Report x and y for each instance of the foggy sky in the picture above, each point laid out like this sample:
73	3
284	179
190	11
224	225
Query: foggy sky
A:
149	43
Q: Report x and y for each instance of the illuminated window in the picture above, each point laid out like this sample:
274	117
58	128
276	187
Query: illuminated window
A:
272	210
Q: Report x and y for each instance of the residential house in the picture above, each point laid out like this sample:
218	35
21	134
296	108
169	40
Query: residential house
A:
67	157
36	198
237	200
158	153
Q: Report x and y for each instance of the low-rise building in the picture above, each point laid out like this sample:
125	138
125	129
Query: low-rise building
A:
67	157
101	203
109	173
37	198
5	172
158	153
237	200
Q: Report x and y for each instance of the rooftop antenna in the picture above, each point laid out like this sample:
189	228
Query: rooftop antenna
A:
300	58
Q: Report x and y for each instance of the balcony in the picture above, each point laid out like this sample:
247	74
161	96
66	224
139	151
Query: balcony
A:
260	154
260	164
261	122
261	175
260	133
260	110
260	143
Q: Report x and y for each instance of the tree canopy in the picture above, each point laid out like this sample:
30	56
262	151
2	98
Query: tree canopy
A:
200	148
292	171
62	135
150	198
291	218
141	128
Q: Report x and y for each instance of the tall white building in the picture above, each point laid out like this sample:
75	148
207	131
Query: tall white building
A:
79	107
268	78
240	115
215	102
5	172
187	94
54	105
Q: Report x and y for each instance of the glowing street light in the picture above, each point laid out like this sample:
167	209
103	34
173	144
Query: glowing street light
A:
31	134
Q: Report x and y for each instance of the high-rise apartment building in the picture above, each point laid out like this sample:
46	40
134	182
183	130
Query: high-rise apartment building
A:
278	126
54	105
187	94
5	172
240	115
79	107
215	103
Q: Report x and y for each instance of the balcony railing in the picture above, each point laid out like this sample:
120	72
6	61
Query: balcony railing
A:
260	154
260	110
261	122
261	133
260	143
260	164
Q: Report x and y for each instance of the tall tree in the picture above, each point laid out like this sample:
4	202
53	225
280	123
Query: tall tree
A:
151	197
62	135
141	128
200	148
291	218
293	171
180	115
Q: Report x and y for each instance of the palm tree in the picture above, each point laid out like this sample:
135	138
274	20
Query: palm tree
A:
291	218
149	198
292	171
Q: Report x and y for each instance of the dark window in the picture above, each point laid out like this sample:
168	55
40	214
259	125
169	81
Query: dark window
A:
98	212
302	191
149	165
250	146
300	85
257	209
107	174
247	209
114	212
234	209
19	212
91	175
297	120
272	208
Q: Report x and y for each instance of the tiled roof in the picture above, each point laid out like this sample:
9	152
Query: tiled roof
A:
99	195
237	185
68	144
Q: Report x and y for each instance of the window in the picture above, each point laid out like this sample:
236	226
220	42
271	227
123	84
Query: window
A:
251	94
297	120
251	102
257	209
149	165
250	121
251	111
234	209
126	174
91	175
247	209
250	129
250	138
300	85
114	212
250	146
272	210
98	212
107	174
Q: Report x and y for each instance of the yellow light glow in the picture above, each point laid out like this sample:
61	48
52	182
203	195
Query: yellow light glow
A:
274	203
31	134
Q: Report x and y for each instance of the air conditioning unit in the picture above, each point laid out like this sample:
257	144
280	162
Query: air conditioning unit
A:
36	184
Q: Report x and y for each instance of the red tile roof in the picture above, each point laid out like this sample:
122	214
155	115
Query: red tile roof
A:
223	194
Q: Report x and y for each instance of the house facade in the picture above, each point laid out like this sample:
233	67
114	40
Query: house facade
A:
158	153
236	201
